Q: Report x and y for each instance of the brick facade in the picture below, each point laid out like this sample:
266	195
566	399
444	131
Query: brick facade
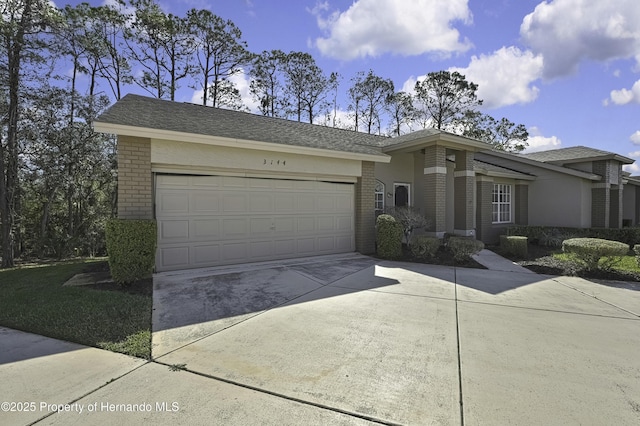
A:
435	184
135	183
464	182
365	209
484	208
521	206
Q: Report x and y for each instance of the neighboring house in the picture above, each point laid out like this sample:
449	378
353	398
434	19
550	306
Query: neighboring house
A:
231	187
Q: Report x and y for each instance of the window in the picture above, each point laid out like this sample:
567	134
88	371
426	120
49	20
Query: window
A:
379	198
501	203
401	196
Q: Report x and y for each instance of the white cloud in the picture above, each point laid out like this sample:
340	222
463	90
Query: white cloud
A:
566	32
241	82
626	96
634	154
505	77
634	169
538	142
635	138
374	27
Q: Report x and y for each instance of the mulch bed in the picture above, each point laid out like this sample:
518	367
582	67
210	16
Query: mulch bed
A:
142	287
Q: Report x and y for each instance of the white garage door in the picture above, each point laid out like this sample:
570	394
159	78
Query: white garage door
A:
220	220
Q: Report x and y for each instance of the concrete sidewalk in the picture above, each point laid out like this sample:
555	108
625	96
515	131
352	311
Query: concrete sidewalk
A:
350	341
495	262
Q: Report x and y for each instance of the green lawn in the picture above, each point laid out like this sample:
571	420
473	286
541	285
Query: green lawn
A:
33	299
621	263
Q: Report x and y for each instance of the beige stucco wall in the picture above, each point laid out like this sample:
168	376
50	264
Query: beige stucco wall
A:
557	199
399	170
173	156
450	203
629	200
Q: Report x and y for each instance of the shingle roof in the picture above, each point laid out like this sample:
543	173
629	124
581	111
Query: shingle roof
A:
574	154
483	166
145	112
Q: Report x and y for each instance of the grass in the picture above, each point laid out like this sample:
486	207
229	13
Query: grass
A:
553	261
33	299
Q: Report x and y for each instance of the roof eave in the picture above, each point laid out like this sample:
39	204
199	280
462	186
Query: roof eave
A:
444	139
150	133
617	157
544	165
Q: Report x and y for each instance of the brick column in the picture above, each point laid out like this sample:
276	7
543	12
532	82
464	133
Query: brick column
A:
600	203
521	204
435	184
135	183
464	181
365	210
615	208
484	208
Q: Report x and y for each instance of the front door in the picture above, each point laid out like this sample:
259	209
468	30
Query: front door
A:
401	197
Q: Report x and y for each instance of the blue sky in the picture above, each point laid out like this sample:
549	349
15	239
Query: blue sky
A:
569	70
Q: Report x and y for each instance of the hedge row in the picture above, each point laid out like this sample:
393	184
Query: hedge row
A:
553	236
131	246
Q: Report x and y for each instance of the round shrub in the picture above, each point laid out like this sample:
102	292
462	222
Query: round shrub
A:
424	247
388	237
463	247
515	245
590	250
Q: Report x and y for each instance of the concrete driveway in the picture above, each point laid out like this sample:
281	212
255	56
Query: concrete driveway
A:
351	340
409	343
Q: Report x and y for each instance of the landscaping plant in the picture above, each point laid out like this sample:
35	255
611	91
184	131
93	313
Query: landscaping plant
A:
388	237
590	251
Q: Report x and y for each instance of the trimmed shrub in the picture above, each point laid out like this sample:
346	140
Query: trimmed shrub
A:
463	247
514	244
424	247
636	250
388	237
552	236
590	250
131	247
410	219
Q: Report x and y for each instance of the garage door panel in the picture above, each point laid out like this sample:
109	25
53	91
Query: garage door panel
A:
344	223
260	203
261	249
305	224
305	203
207	254
215	220
326	243
210	182
234	203
174	257
174	202
284	203
306	245
234	251
326	223
262	226
344	243
174	230
343	203
284	225
234	228
285	247
234	182
205	202
206	228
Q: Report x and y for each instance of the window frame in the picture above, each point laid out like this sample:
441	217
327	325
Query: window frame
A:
379	185
502	196
408	185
